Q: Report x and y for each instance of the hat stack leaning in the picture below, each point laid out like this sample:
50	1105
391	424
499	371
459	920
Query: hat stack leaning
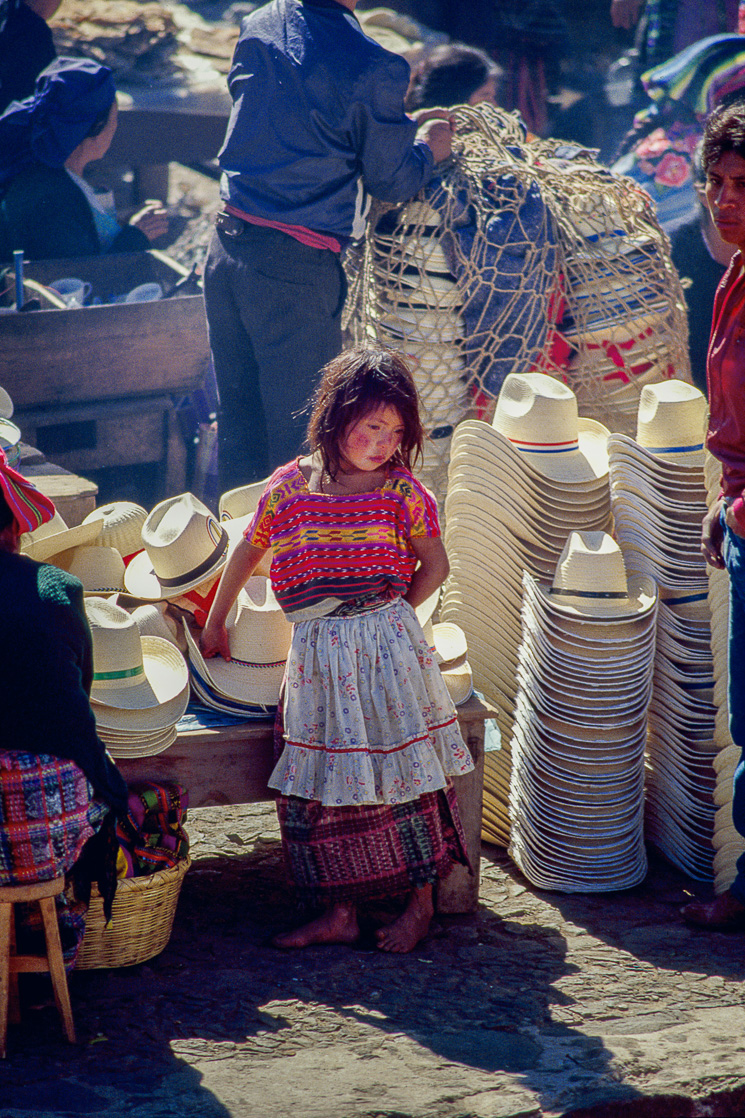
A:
728	843
248	685
516	489
659	500
584	684
140	683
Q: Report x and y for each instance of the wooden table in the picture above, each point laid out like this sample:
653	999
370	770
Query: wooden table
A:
231	765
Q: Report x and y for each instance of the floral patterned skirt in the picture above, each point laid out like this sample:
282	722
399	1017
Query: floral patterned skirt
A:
367	716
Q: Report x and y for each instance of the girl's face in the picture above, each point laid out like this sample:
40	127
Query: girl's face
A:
372	440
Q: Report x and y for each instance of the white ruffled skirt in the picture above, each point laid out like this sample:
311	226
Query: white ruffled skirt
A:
367	716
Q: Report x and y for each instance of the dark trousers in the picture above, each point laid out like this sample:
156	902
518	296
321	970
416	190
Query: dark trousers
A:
274	320
733	550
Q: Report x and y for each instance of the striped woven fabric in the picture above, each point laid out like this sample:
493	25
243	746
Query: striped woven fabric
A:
378	850
47	814
29	507
340	546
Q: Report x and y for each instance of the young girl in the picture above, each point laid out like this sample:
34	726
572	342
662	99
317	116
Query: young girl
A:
370	734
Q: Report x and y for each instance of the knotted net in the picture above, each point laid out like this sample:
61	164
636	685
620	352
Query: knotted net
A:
520	255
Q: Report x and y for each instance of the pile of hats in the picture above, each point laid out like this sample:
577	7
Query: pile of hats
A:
516	489
140	683
728	843
585	681
259	637
659	500
10	433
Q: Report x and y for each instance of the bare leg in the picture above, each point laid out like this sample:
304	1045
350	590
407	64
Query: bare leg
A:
411	926
338	924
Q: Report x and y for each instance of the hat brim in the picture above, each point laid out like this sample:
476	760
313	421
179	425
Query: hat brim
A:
43	549
166	676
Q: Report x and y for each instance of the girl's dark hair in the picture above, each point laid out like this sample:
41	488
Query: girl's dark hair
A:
449	74
6	516
724	131
354	384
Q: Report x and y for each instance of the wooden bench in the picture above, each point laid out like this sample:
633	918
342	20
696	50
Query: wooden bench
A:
231	765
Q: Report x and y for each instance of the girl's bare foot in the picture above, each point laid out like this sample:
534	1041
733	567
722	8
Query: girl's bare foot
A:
338	924
411	926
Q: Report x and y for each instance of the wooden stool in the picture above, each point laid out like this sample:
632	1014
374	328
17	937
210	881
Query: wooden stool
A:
11	964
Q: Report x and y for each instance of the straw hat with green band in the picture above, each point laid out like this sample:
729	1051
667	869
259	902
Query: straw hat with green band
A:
131	672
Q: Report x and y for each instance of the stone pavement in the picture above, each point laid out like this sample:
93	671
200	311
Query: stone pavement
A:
537	1004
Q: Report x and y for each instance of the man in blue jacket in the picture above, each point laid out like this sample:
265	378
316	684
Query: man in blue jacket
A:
317	122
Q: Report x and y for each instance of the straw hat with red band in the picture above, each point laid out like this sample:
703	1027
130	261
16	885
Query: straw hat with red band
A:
29	507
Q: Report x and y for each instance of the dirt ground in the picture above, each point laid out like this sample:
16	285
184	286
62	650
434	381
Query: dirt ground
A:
536	1004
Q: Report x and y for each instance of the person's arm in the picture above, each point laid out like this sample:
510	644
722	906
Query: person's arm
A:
432	571
213	639
711	535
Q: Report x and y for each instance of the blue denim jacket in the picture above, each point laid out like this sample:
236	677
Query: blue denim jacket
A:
317	115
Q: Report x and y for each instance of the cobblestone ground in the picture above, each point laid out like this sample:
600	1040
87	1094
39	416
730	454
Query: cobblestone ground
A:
536	1004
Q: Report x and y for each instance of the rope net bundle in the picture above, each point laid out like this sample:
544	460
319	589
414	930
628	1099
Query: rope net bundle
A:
521	255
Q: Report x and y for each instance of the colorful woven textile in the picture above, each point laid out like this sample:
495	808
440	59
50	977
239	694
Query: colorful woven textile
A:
47	814
362	853
342	547
151	834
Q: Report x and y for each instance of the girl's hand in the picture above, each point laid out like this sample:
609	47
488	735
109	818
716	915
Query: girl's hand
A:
711	535
213	641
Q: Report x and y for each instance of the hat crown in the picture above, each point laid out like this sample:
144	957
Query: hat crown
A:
537	410
121	525
591	564
258	631
241	501
98	568
671	417
181	534
117	646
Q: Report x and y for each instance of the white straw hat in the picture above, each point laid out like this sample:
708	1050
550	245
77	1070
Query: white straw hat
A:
6	404
184	546
591	579
154	622
129	671
671	421
100	569
259	638
121	526
241	501
539	415
54	537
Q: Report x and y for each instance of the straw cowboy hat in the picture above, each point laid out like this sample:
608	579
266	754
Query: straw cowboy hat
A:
6	405
241	501
53	537
131	672
591	580
121	526
100	569
671	422
10	438
155	622
184	546
259	637
539	415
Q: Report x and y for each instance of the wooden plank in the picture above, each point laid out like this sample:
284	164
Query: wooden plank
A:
73	497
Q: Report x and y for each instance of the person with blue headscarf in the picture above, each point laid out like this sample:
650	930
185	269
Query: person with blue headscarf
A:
47	209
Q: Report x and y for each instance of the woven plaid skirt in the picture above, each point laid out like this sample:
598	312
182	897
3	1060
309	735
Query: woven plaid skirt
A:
367	739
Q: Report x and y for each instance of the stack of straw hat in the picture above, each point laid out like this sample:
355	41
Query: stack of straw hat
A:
585	680
659	500
728	843
516	489
259	637
140	683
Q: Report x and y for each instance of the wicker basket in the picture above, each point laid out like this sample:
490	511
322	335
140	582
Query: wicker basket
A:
142	918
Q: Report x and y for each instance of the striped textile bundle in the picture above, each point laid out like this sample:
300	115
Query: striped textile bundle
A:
151	834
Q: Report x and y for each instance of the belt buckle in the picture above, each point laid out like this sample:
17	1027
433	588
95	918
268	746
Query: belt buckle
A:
229	225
